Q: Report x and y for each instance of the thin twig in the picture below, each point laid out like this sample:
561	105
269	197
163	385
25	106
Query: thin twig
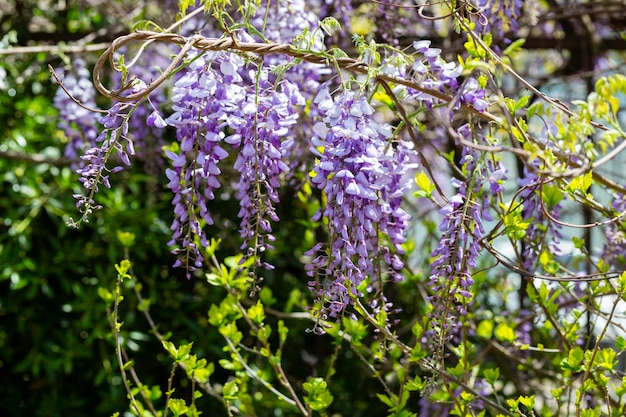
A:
54	49
74	99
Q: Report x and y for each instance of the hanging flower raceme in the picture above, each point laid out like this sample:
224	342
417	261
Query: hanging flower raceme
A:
363	176
203	97
113	141
215	110
456	255
431	71
262	131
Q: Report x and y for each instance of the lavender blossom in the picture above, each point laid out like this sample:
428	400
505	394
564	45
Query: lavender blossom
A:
212	98
113	140
265	120
456	255
363	178
431	71
202	99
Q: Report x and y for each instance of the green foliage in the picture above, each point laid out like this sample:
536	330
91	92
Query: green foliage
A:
426	187
318	397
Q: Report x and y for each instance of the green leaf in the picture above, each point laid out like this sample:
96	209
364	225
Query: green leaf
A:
282	331
183	352
621	283
330	25
226	312
528	402
417	353
514	47
264	333
318	398
521	103
256	313
605	359
426	187
230	391
266	296
491	375
416	384
544	292
228	365
573	360
214	279
505	333
381	318
581	183
106	295
202	375
535	108
590	412
127	239
356	329
177	406
551	195
485	329
122	269
170	348
385	400
128	365
417	330
231	332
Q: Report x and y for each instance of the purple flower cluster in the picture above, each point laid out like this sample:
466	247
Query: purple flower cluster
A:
461	229
363	176
262	131
499	17
473	95
200	99
431	71
90	150
285	21
78	123
94	171
213	107
392	22
456	254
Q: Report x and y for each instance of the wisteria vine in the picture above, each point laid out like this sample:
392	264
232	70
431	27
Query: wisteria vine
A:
364	177
210	97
